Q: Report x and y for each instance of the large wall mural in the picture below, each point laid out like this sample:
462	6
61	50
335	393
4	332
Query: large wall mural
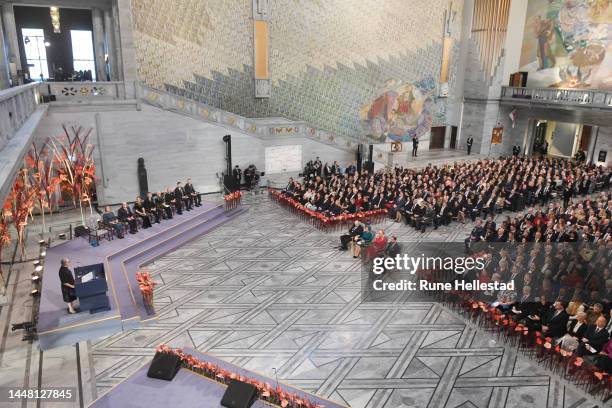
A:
400	112
328	59
567	44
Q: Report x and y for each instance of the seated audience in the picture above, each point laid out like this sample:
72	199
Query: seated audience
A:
362	240
140	211
594	338
171	200
109	218
126	216
556	322
575	331
193	195
151	207
349	238
163	207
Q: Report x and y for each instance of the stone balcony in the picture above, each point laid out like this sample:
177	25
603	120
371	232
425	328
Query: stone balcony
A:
557	98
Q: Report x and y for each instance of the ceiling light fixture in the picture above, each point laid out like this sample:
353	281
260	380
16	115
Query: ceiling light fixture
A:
55	19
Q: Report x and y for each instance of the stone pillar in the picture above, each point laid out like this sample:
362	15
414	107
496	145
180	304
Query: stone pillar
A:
98	40
5	78
10	29
128	48
111	47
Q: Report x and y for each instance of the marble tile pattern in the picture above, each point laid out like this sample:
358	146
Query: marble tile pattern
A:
327	58
269	292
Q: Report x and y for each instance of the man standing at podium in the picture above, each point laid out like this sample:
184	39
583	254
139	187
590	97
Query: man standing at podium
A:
67	280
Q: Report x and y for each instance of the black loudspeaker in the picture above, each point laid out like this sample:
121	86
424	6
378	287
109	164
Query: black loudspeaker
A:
164	366
369	166
371	154
239	395
81	231
358	157
229	182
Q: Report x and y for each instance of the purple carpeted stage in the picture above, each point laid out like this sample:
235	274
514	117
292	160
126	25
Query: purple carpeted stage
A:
188	389
121	259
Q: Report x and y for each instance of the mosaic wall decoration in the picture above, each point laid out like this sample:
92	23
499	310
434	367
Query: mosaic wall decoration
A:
567	44
328	59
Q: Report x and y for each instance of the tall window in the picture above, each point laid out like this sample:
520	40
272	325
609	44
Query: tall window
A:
36	53
82	51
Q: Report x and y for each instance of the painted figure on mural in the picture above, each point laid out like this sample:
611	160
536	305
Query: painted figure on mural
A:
545	34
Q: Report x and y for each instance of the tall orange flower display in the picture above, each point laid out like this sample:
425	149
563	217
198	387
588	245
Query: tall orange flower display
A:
43	178
5	239
73	158
20	204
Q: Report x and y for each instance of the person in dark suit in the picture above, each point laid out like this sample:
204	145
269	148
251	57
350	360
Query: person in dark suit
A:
126	215
392	248
237	175
171	200
556	321
192	193
140	211
151	207
469	142
109	218
164	208
180	196
67	281
478	234
594	338
415	146
353	232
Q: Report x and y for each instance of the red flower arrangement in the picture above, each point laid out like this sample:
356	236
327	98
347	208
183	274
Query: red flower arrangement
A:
19	205
264	390
146	285
73	157
5	239
42	177
232	200
322	217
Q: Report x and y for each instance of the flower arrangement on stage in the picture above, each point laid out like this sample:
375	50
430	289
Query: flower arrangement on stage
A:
19	205
43	178
322	220
5	239
273	395
232	200
73	157
146	285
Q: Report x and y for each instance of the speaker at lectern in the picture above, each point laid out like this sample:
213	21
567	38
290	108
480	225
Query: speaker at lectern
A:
90	288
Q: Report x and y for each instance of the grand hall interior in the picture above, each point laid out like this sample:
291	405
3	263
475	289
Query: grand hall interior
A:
306	203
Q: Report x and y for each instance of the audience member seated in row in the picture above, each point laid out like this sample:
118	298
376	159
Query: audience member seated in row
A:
585	221
362	240
436	195
153	208
126	216
561	289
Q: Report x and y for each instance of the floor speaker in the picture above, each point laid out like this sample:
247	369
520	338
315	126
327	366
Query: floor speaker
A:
239	395
164	366
81	231
230	183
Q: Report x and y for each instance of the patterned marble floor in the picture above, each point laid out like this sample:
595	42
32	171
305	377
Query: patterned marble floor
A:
271	293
